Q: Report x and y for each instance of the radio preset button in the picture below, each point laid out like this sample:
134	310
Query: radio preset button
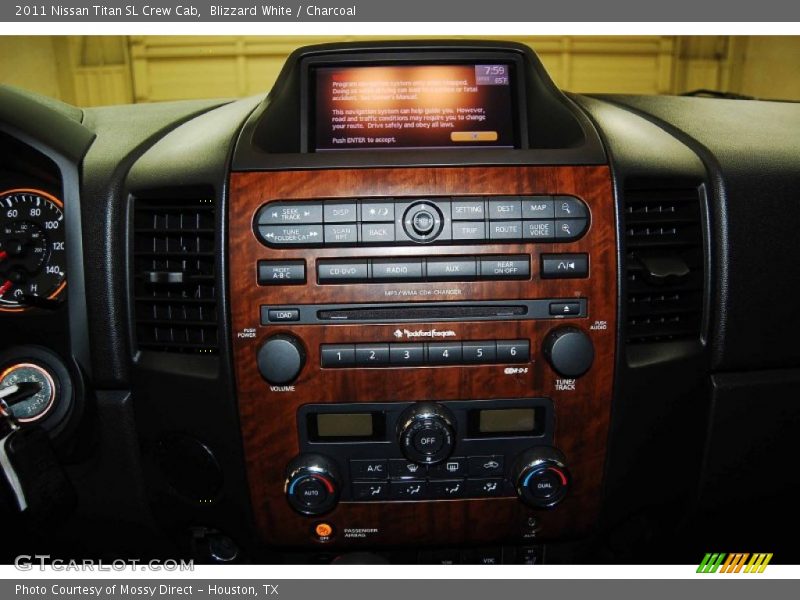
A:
451	268
444	353
537	207
406	354
290	213
569	207
341	234
372	354
377	233
340	212
379	212
505	207
400	468
369	469
338	355
469	230
370	490
479	352
342	271
506	267
281	272
513	351
467	210
397	270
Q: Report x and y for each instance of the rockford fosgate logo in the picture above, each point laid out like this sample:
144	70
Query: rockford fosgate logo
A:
422	333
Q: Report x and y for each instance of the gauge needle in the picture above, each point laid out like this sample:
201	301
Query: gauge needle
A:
5	287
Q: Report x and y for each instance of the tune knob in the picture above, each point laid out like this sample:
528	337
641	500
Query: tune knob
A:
569	351
312	484
541	477
281	359
426	433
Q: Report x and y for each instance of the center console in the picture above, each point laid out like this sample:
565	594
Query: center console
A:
423	285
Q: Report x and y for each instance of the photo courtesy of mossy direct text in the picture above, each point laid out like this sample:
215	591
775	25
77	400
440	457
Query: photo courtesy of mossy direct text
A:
124	589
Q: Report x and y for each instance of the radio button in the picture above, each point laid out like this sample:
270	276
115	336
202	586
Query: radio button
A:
290	213
479	352
444	268
569	207
377	233
370	490
377	212
341	234
513	351
468	210
537	207
400	468
534	230
340	213
565	266
505	207
397	270
469	230
342	271
343	355
406	354
570	229
291	235
444	353
505	230
506	267
278	272
444	489
368	355
486	466
368	469
486	488
455	466
408	490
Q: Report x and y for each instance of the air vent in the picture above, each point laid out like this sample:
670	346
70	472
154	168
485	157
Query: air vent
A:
174	268
664	264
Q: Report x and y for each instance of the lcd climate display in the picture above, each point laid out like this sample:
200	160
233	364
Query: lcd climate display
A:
413	107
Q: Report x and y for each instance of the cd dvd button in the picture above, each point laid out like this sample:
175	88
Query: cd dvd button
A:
537	207
479	352
444	353
377	233
469	230
343	271
372	354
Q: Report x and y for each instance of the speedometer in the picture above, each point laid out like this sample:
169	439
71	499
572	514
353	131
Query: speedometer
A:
32	249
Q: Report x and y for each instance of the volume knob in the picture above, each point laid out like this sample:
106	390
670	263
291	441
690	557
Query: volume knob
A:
281	359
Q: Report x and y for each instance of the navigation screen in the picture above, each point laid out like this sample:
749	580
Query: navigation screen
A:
418	106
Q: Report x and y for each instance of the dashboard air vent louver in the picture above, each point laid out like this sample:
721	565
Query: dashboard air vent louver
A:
664	264
174	275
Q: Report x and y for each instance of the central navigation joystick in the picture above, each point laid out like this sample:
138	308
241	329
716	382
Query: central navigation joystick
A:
425	432
423	222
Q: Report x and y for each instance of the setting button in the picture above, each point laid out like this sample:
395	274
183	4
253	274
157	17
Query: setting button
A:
506	267
569	207
505	208
290	213
537	207
468	210
451	268
368	469
271	272
397	270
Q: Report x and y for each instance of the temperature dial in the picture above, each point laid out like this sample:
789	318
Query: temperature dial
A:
541	477
312	484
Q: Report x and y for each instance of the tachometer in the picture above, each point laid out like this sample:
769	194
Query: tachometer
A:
32	249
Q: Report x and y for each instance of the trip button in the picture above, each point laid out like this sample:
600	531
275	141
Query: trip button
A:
469	230
372	354
290	235
569	207
272	272
290	213
506	267
444	489
368	469
537	207
444	353
370	490
455	466
479	352
342	271
468	210
486	466
400	468
451	268
408	490
377	233
565	266
513	351
505	207
397	270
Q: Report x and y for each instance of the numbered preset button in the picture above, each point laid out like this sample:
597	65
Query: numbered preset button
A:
406	354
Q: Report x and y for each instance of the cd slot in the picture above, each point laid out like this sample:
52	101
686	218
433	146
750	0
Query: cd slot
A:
515	310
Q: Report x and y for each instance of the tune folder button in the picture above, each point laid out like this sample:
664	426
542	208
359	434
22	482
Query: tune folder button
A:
291	235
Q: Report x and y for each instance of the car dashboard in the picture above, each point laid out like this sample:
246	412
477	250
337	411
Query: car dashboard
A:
416	305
